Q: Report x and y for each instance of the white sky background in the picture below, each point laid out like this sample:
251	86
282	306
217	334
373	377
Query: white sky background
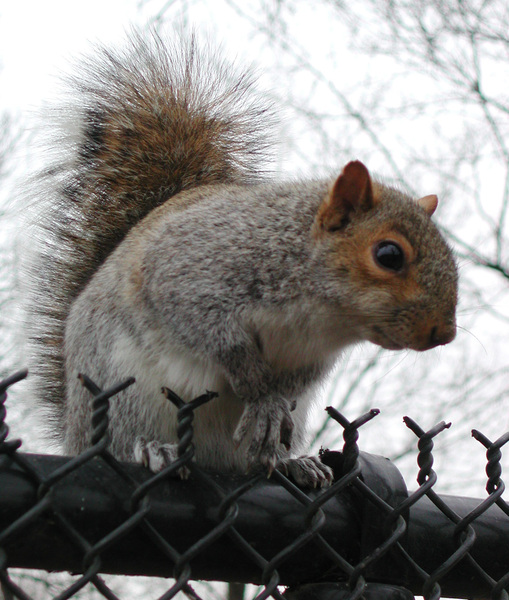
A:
40	39
37	39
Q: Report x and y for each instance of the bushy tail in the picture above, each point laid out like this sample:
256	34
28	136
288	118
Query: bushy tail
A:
149	121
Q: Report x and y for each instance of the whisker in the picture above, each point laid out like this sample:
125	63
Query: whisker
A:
474	336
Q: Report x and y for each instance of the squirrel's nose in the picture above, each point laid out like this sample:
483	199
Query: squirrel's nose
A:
439	335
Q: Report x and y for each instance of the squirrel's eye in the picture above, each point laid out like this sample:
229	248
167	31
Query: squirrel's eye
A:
389	256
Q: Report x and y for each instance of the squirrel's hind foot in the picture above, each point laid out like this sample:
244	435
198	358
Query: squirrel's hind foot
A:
306	471
156	456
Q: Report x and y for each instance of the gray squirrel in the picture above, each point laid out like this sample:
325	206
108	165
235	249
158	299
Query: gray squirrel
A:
170	255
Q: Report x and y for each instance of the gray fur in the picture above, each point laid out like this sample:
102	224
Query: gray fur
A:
173	260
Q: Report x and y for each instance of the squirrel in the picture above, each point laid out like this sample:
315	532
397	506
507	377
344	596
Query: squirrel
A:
170	254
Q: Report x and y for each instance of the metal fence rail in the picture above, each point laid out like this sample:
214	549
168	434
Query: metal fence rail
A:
366	536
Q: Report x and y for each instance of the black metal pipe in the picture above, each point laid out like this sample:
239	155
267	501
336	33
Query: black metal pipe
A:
96	501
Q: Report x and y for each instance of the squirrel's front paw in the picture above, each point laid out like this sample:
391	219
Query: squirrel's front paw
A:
307	471
269	424
156	456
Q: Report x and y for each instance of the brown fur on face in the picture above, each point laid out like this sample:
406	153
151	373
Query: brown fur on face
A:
356	216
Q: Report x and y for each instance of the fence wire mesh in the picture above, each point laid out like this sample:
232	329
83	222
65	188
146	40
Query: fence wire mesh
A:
364	537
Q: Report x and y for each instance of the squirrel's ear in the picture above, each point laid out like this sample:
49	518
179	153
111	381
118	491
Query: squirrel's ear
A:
429	203
351	192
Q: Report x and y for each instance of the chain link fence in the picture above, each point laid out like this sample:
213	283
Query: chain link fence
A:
364	537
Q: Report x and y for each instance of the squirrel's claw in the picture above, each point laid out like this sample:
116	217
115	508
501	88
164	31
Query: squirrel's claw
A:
286	431
270	424
307	471
156	456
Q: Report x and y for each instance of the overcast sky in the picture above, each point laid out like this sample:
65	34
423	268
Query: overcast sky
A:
38	39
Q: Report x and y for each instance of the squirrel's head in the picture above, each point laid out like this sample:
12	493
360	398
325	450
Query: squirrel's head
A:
398	273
